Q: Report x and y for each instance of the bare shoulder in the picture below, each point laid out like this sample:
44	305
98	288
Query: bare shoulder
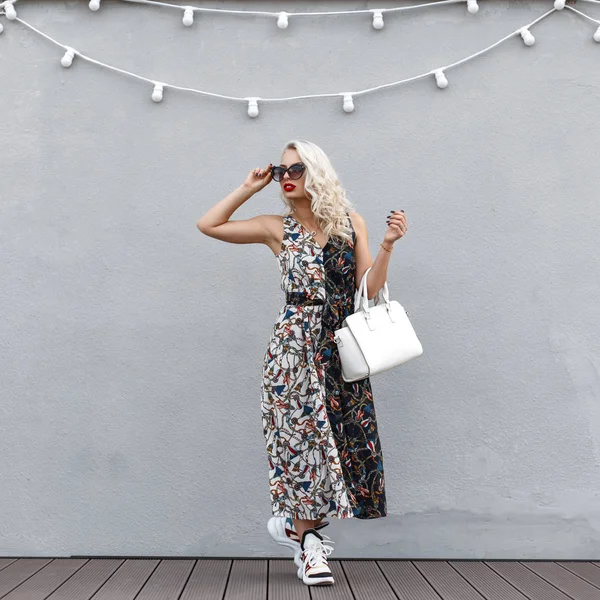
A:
274	223
273	219
358	223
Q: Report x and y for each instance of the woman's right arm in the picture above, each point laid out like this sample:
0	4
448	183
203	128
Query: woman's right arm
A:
216	222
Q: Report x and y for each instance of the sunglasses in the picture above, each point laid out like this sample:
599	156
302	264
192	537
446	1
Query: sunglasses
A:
295	171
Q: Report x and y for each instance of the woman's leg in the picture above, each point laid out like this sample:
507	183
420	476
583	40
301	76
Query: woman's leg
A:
301	525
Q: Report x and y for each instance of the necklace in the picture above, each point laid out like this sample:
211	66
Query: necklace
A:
312	234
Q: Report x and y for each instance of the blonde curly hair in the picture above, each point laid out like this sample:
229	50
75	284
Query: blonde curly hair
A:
329	203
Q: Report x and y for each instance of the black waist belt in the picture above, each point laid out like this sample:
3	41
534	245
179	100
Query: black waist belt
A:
302	299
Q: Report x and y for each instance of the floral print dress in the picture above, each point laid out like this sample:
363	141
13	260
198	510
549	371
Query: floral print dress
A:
323	447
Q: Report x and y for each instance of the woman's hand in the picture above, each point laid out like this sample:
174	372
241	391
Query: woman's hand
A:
258	179
397	226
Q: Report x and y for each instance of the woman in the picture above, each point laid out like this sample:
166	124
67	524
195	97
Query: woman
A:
324	454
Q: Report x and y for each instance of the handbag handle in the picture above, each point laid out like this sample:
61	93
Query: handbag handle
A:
358	296
361	295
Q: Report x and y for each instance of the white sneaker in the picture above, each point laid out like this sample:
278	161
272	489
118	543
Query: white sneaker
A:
282	530
314	569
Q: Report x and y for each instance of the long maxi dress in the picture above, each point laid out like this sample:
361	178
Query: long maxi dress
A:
323	448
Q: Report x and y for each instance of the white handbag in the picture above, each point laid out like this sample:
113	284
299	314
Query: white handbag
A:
375	339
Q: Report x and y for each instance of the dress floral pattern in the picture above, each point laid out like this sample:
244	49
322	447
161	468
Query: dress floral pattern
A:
323	447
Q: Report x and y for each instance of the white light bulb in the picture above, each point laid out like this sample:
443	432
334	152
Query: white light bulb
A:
253	107
597	35
9	9
94	4
527	37
472	6
440	79
348	103
67	59
378	19
188	16
559	4
282	20
157	92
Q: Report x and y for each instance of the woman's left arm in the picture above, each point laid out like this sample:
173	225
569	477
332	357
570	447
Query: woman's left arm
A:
397	227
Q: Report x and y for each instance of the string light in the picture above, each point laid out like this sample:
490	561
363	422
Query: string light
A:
596	35
188	16
348	104
378	19
94	4
472	6
527	36
67	59
282	17
559	4
253	107
9	9
282	20
157	92
440	79
348	97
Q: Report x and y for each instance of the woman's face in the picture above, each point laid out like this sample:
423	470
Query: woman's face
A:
292	188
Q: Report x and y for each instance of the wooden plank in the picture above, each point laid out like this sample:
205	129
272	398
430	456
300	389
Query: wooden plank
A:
533	586
46	580
87	580
486	581
4	562
340	590
167	581
276	579
128	580
564	580
585	570
208	580
19	571
446	581
247	580
407	581
284	583
367	581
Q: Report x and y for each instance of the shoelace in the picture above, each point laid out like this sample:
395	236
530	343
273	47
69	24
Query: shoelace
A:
315	553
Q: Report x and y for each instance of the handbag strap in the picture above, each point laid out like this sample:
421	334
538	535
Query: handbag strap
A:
361	296
361	292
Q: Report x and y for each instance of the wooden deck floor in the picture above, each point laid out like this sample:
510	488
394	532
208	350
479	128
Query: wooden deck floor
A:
275	579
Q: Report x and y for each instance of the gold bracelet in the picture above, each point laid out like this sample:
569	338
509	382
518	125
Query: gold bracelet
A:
386	249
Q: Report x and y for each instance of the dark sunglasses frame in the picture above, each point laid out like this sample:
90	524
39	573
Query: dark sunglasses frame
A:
279	172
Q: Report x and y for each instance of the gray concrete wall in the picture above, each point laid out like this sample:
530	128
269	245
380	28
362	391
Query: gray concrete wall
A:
132	345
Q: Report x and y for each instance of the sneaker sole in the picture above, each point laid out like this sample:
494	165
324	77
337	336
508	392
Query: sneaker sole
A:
314	581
